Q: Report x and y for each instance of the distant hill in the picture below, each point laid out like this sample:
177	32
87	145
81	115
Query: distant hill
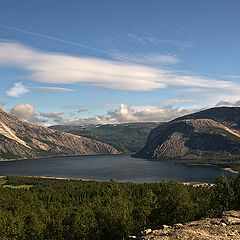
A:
20	139
212	133
229	116
126	138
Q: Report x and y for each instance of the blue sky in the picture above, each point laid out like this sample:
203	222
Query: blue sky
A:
117	61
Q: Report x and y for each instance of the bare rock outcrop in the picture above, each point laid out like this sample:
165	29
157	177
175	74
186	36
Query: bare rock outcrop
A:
225	228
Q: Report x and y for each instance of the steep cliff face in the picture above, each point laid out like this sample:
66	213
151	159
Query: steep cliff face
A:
19	139
193	137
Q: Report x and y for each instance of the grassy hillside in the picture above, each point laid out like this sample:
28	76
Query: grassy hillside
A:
126	138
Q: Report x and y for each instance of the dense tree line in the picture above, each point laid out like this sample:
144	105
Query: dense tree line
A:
67	209
221	162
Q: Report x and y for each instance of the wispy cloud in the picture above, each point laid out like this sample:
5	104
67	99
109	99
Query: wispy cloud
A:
72	106
82	110
148	39
151	39
54	68
53	38
51	89
176	101
235	77
149	59
52	115
210	96
19	90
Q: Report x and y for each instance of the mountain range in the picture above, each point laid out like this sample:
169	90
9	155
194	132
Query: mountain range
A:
209	134
125	137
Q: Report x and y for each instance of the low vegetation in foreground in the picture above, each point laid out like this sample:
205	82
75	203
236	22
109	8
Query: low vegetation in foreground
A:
70	209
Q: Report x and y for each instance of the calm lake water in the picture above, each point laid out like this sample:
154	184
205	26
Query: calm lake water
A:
104	167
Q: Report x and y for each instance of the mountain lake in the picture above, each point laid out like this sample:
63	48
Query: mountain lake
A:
122	168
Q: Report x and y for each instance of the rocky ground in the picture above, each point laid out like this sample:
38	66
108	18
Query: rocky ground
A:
225	228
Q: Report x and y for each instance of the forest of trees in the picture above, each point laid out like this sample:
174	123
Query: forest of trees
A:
232	162
35	208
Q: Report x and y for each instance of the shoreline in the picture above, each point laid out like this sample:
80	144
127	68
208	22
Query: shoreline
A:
194	184
60	178
230	170
61	156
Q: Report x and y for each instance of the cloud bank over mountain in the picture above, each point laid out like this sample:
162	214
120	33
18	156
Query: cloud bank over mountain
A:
125	113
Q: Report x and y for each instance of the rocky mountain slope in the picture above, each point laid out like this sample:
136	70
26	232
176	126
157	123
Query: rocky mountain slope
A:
125	137
19	139
227	228
228	116
211	133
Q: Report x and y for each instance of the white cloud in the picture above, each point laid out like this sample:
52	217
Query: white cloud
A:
54	68
25	111
17	90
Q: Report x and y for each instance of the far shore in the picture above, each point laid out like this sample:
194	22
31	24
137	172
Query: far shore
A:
56	156
194	184
211	165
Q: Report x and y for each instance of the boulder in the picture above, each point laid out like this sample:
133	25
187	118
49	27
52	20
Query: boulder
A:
178	226
146	232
